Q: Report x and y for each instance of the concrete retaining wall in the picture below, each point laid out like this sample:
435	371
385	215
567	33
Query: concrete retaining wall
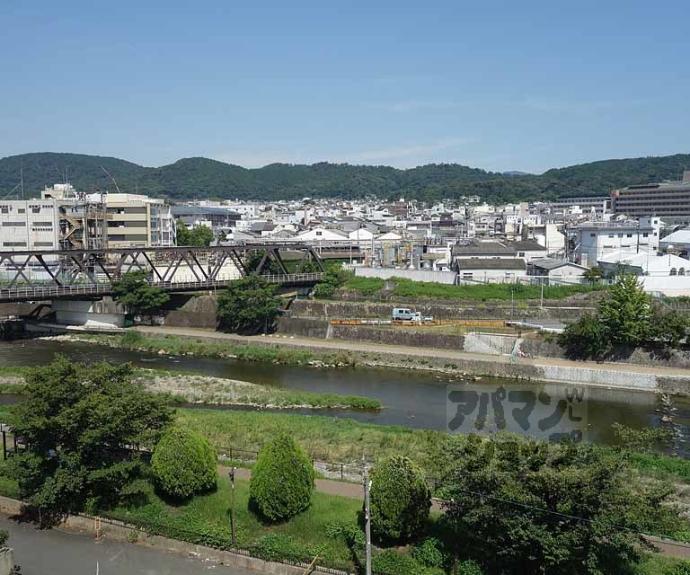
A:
103	313
446	310
397	336
414	275
492	344
196	311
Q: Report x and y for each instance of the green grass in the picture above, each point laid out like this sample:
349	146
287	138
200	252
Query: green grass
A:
329	439
654	564
502	292
662	466
205	519
176	345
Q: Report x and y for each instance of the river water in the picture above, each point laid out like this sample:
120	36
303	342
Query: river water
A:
409	398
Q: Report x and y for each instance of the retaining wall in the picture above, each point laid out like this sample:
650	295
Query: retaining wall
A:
195	311
445	310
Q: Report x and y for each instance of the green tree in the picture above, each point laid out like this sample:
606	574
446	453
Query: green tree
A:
585	338
593	274
531	507
199	236
626	312
282	480
184	464
400	500
141	298
248	305
79	423
669	328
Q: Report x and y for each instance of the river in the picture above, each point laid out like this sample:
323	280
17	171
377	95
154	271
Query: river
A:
409	398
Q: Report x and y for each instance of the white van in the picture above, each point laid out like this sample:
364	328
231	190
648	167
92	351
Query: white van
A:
404	314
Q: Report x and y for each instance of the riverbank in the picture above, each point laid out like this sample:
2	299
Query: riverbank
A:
349	353
217	391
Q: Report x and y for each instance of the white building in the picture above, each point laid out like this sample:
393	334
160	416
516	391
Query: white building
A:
594	241
646	265
29	225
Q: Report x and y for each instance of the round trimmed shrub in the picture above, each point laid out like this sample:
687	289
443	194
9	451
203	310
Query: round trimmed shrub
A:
184	464
400	500
282	480
469	567
429	553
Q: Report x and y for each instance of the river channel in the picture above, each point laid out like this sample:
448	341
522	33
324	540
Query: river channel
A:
409	398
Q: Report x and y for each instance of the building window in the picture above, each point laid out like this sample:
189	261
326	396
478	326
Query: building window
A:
674	272
35	209
645	235
14	244
610	235
681	272
21	211
4	210
14	224
628	235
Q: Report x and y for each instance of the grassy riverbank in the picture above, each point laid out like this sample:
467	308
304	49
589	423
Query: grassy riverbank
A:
200	389
175	345
480	292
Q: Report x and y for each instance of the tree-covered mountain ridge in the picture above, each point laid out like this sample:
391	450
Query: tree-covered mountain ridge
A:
195	178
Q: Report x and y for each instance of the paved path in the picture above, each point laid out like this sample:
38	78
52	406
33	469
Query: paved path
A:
423	352
57	552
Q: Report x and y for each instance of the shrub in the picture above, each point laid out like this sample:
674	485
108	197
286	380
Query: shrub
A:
400	500
280	547
282	480
4	536
469	567
679	569
585	338
391	562
184	464
429	553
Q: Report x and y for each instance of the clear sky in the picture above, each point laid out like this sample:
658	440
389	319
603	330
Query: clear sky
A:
502	85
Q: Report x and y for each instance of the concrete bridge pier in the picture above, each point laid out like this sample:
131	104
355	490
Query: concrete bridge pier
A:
98	314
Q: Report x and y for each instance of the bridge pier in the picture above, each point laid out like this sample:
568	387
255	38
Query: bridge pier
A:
99	314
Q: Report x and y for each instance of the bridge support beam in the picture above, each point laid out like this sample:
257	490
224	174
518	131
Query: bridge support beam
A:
100	314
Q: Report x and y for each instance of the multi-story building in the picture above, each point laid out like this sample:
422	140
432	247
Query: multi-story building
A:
592	241
29	225
669	200
138	221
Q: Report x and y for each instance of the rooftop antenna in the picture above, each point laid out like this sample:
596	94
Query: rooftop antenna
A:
113	179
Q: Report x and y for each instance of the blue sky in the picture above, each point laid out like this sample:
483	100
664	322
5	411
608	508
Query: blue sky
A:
501	85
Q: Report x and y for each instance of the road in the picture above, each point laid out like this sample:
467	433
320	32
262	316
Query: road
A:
56	552
407	351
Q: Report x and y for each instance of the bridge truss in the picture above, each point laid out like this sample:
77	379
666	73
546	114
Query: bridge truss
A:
36	275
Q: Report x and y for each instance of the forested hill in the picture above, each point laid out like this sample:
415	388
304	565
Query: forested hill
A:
203	178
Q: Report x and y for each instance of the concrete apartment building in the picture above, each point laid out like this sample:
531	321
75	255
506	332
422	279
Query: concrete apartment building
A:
29	225
669	200
592	241
138	221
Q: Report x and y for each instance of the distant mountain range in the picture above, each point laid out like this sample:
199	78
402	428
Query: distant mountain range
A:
191	178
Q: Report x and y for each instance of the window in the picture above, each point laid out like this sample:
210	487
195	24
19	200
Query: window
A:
35	209
43	224
14	224
674	272
610	235
467	275
21	210
14	244
645	235
43	244
681	272
628	235
4	210
319	233
592	235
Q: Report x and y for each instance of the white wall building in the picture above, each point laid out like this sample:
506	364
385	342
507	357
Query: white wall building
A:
594	241
29	225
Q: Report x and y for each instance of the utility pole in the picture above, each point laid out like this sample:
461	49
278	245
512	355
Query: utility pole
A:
541	299
233	536
367	520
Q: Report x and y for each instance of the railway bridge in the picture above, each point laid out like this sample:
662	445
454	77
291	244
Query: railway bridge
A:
90	274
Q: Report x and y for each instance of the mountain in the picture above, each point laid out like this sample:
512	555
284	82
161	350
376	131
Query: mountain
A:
191	178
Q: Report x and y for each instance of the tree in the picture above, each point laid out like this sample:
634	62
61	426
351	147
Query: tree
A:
523	506
248	305
400	500
282	480
141	298
200	236
593	274
626	312
79	424
585	338
184	464
669	328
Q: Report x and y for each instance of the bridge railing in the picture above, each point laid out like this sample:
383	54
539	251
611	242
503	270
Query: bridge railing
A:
51	291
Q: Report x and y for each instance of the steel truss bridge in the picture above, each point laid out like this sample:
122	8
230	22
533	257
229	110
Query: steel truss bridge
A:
83	274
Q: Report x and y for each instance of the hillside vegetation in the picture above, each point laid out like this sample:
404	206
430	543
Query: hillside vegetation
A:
203	178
